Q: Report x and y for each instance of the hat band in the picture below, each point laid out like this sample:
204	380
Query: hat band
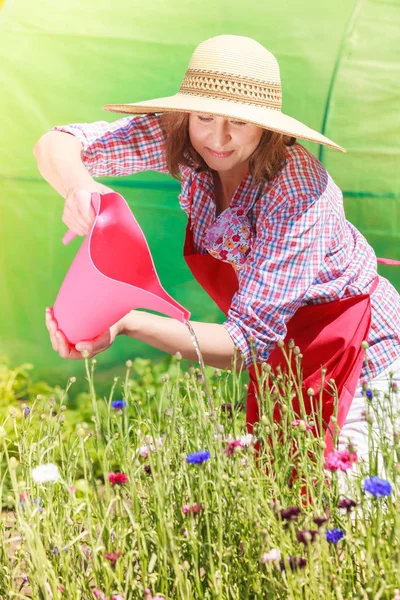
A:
216	85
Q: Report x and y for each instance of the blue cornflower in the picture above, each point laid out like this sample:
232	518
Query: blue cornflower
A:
368	393
118	404
197	458
377	487
55	550
334	535
27	410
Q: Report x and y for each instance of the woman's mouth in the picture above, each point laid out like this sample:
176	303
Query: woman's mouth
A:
220	154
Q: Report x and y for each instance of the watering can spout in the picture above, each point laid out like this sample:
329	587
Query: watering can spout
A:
112	273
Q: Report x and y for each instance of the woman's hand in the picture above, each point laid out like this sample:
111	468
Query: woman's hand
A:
71	352
79	214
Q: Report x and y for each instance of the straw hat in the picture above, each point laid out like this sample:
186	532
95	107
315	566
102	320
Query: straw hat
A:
234	77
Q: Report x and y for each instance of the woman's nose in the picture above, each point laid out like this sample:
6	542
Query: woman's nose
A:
220	136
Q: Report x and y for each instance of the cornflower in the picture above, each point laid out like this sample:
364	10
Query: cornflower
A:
112	557
347	503
198	458
334	535
340	460
290	514
117	478
307	535
271	556
118	404
45	473
377	487
294	563
232	446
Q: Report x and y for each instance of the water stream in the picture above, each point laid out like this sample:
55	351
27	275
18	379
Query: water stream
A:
201	363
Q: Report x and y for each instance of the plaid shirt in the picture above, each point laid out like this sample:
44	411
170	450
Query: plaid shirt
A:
304	252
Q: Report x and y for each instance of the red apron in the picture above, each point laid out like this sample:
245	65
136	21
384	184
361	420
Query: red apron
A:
329	335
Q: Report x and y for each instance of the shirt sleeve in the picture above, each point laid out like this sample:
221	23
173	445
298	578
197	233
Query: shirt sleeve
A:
289	251
128	145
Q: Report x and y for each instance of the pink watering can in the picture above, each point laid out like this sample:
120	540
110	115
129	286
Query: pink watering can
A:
112	273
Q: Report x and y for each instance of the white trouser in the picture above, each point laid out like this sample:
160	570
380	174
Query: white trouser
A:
383	413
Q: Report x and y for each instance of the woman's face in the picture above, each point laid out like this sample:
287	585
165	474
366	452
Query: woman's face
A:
223	143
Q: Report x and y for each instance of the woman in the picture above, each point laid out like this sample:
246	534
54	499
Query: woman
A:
267	236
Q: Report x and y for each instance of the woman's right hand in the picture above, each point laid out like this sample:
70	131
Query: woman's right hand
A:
79	214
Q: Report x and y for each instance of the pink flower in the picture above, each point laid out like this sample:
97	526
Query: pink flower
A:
112	557
186	509
117	597
72	489
302	424
117	478
341	460
98	594
271	556
232	446
144	451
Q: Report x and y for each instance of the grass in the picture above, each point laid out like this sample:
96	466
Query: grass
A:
216	529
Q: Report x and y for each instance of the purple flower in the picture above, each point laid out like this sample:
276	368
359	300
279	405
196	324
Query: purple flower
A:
291	513
368	393
377	487
27	410
334	535
294	563
347	503
197	458
118	404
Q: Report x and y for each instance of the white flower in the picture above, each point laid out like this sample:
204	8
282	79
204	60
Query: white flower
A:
246	440
45	473
271	556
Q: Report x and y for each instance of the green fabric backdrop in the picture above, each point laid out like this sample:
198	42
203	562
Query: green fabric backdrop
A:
60	62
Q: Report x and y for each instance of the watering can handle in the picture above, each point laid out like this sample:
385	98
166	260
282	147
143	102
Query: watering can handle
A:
70	235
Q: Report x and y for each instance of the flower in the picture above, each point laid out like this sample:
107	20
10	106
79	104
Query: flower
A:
112	557
45	473
98	594
377	487
227	408
319	521
334	535
347	503
195	508
27	410
118	404
117	478
271	556
231	447
341	459
144	451
294	563
147	469
117	597
302	425
197	458
290	514
307	535
186	509
246	440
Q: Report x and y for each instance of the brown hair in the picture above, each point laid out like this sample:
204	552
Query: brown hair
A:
267	159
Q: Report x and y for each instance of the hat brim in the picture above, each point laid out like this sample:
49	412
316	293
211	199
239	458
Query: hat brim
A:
267	118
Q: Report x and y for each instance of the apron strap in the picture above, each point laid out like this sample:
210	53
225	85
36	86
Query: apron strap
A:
388	261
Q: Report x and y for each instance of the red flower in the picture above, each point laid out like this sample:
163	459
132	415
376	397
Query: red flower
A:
231	447
219	240
223	254
117	478
236	237
112	557
240	212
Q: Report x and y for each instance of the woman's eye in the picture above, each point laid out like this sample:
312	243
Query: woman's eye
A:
239	122
205	118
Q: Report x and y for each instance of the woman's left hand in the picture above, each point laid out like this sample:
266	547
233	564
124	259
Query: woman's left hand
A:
70	351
